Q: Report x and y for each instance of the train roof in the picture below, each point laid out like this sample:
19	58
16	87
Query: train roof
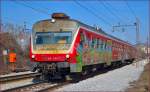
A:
90	27
100	31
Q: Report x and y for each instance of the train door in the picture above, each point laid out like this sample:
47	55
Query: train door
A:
79	57
114	51
92	49
96	51
109	50
85	48
102	50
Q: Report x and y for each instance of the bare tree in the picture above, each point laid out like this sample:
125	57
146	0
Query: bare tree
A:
11	37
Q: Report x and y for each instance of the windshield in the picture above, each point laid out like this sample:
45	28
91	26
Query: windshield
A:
53	38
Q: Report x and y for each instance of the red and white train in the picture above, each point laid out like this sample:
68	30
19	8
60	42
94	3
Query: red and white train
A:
63	46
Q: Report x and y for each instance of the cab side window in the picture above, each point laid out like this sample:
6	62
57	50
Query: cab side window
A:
82	39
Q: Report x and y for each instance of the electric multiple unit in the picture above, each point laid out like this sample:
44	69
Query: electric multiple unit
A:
65	46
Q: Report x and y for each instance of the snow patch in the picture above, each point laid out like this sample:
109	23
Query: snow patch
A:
115	80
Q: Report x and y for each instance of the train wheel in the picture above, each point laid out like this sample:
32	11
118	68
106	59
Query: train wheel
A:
75	77
113	64
44	77
34	69
84	73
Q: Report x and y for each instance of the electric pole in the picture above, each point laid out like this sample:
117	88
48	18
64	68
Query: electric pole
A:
136	24
137	29
149	35
1	26
147	53
24	28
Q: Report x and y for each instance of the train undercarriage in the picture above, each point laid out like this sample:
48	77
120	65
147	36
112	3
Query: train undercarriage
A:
57	71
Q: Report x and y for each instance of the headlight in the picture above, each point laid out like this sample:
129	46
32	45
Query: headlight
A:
53	20
67	56
33	56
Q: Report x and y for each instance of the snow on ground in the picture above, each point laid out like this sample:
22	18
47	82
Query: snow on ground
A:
15	74
15	84
115	80
9	85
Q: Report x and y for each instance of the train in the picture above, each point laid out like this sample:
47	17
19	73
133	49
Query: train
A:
62	46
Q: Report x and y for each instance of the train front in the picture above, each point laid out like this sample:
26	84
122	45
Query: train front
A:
51	44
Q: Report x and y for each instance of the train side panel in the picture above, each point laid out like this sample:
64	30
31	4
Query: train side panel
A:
92	49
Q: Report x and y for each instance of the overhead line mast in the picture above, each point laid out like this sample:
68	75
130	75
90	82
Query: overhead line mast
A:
136	24
149	28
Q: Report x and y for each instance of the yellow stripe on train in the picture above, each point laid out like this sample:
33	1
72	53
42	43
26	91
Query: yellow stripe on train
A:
50	51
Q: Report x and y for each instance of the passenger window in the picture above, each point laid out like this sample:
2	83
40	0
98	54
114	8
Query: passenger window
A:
92	45
94	42
102	42
97	43
109	46
104	45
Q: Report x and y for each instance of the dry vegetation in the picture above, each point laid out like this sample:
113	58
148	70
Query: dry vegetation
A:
143	83
7	41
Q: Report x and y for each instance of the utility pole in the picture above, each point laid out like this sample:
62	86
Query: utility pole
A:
1	26
136	24
24	28
147	53
149	35
22	35
137	29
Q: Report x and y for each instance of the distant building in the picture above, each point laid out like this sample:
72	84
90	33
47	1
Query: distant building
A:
145	49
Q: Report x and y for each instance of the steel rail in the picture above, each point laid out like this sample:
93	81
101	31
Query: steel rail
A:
17	77
20	87
52	87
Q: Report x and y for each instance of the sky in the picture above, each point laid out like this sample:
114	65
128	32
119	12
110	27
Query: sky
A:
103	13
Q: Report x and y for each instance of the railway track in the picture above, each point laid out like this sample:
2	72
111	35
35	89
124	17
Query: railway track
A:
16	80
36	87
44	86
18	77
52	87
